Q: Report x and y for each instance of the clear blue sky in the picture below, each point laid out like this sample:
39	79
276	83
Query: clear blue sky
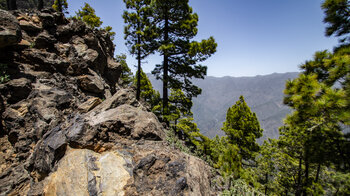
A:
254	37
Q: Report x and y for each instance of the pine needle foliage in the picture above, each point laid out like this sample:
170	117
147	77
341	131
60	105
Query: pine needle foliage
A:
126	76
242	129
138	33
337	18
87	14
60	6
175	27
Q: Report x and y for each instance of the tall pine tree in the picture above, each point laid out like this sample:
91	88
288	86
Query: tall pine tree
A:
242	129
11	4
321	105
126	77
40	4
337	17
138	33
87	14
60	5
176	26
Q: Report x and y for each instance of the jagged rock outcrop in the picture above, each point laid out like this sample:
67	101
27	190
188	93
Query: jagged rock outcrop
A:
10	32
60	138
27	4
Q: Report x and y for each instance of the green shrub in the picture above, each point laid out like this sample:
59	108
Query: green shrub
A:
240	188
4	77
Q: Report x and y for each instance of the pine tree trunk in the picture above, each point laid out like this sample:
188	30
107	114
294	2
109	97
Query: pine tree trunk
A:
2	109
40	4
11	5
59	2
307	166
266	180
138	86
165	65
298	191
318	172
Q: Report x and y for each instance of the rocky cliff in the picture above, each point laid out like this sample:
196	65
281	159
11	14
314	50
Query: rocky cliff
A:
27	4
67	128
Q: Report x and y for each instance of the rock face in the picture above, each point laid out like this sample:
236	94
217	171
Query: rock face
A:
85	172
10	32
57	136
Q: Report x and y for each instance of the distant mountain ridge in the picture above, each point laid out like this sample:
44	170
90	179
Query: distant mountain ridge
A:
263	94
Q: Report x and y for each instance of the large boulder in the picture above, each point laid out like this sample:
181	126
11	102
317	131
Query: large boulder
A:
10	31
29	26
91	84
160	170
90	173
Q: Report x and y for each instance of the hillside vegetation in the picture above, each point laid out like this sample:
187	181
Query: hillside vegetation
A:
263	94
75	121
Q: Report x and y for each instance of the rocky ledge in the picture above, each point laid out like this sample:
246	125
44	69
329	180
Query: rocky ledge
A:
67	128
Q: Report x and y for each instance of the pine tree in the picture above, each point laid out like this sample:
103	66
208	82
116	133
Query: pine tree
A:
126	77
242	129
109	31
60	6
337	16
230	161
267	166
11	4
40	4
314	129
149	95
87	14
311	156
176	25
180	103
138	33
190	131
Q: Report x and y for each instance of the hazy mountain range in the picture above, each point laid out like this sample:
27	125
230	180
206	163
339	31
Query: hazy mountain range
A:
263	94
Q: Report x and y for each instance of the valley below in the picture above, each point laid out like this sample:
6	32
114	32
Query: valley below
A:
263	94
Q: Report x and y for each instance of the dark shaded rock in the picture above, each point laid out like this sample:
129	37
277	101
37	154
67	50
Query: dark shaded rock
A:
77	26
46	61
146	163
49	151
2	109
80	134
14	117
181	184
29	26
14	181
162	171
174	168
113	71
17	90
30	4
10	31
63	100
44	40
90	84
47	19
92	184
